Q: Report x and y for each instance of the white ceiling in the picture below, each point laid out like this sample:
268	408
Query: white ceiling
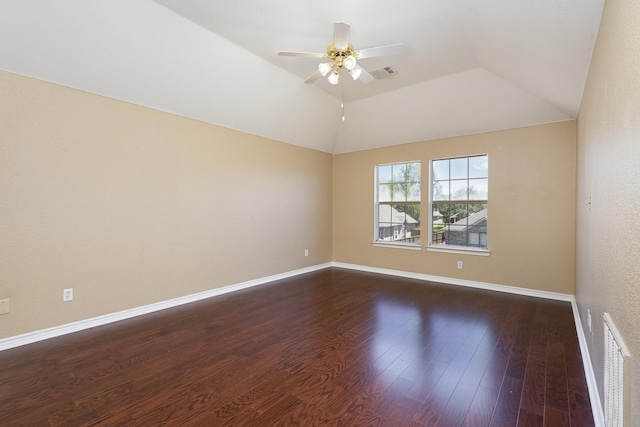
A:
470	66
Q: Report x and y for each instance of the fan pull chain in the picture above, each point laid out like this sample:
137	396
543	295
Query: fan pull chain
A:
342	101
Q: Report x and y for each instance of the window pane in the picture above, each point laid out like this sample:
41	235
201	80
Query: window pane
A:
413	172
459	168
437	225
400	193
479	189
459	190
385	228
456	233
474	239
414	192
477	221
385	231
399	172
477	225
436	215
399	217
406	219
384	213
441	190
384	174
440	169
384	193
478	167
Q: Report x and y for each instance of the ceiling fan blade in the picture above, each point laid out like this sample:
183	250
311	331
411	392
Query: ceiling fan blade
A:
392	49
303	54
313	77
365	77
341	32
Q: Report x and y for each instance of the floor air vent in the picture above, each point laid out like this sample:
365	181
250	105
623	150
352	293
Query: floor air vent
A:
617	370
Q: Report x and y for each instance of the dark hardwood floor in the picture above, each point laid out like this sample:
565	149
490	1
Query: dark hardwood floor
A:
331	348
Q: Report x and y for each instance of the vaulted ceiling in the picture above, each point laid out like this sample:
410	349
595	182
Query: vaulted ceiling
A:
470	66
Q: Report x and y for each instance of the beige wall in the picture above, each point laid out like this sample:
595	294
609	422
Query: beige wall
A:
531	208
608	232
131	206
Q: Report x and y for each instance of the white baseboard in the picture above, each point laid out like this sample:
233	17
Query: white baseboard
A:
460	282
594	395
56	331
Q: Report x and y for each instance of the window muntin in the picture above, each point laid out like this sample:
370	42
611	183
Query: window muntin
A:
459	200
397	214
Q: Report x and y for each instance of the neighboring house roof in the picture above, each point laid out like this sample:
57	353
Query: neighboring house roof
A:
437	217
392	215
472	219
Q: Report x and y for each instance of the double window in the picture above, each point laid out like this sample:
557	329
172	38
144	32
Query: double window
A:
398	203
459	197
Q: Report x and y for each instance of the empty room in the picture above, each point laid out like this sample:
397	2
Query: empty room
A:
296	213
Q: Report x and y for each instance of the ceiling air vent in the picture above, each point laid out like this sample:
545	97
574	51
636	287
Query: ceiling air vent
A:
383	72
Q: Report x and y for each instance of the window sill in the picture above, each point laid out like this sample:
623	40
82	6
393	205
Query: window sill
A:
398	246
459	250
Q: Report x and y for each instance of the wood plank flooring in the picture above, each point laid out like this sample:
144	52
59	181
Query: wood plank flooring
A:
331	348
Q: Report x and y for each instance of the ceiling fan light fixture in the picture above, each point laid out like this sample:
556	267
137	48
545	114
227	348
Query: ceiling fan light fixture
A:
349	62
355	73
334	77
325	68
341	54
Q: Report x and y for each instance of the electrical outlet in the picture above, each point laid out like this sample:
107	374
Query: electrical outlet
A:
589	320
460	265
4	306
306	252
67	294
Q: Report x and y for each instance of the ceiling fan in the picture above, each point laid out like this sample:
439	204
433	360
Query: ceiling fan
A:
343	55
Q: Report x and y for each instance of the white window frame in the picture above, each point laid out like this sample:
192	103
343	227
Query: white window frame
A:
465	250
376	231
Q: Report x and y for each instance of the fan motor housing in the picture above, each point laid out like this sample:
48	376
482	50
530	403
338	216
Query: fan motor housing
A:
338	55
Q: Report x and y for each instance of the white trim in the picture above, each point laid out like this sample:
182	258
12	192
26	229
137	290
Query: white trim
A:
459	282
56	331
594	394
382	244
459	250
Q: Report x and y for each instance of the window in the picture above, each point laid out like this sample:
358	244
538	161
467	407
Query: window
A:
459	197
398	203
